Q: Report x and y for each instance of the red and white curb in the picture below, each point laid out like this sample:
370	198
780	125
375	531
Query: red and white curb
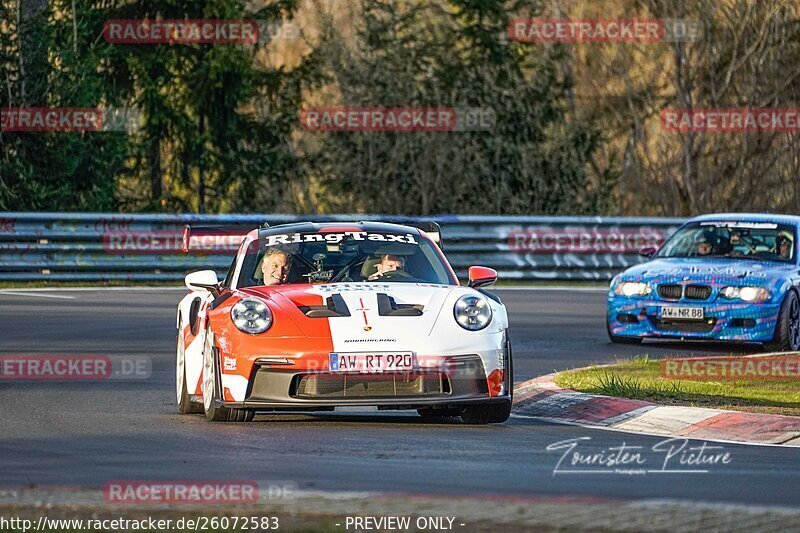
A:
542	398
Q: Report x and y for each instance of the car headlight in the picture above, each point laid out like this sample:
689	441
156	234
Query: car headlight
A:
748	294
632	288
251	316
472	312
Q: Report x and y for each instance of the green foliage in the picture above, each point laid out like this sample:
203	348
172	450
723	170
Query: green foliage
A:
217	124
56	171
640	378
220	129
615	385
533	161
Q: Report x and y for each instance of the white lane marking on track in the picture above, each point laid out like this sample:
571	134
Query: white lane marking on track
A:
19	293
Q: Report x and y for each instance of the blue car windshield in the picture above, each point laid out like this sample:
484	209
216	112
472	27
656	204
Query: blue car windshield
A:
759	241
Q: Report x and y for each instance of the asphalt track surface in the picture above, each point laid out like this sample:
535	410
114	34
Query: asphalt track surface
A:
89	433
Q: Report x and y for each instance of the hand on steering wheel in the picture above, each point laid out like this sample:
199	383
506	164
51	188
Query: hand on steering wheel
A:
396	274
389	274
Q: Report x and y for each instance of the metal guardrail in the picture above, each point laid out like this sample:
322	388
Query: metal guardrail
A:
75	246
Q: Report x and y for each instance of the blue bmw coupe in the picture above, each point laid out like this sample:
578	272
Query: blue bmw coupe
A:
727	277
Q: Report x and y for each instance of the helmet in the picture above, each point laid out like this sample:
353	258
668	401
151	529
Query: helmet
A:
705	236
784	237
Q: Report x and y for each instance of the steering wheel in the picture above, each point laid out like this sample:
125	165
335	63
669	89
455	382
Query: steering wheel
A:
390	275
765	255
396	274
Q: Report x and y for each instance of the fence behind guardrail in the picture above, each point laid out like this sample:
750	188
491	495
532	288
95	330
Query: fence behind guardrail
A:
104	247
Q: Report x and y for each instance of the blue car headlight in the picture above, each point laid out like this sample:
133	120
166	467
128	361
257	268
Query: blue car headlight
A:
632	288
748	294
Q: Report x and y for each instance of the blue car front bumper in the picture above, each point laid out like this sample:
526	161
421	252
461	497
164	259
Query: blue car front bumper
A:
723	321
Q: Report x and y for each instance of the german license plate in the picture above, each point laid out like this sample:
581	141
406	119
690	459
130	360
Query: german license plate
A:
371	362
683	313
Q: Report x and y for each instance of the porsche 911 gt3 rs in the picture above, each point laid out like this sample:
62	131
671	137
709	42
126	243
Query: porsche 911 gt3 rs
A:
322	316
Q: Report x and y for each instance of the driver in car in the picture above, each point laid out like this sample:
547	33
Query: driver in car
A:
388	263
703	244
275	266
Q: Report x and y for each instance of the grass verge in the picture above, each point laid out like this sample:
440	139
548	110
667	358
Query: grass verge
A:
640	378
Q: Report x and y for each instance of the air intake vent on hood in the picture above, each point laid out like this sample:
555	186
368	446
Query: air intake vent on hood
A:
335	306
388	307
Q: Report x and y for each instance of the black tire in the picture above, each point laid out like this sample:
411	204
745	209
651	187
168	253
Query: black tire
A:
185	406
787	330
491	413
429	413
494	413
509	377
621	339
215	412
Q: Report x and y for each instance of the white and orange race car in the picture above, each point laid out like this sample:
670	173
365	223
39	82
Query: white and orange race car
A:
314	317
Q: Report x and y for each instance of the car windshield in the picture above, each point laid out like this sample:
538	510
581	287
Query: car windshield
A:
348	256
761	241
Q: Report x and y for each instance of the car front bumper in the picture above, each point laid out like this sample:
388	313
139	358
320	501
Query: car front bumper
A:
724	321
451	382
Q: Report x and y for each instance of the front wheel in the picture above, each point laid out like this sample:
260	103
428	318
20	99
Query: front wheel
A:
215	412
491	413
787	329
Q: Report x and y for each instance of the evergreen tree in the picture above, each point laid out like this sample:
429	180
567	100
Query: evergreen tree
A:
51	58
217	120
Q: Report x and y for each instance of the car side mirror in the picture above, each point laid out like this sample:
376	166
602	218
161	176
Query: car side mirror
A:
202	280
481	276
648	252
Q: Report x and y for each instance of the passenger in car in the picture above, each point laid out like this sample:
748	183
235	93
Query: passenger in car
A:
783	245
388	263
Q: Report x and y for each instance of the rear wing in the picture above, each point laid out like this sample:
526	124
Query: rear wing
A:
222	239
432	230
